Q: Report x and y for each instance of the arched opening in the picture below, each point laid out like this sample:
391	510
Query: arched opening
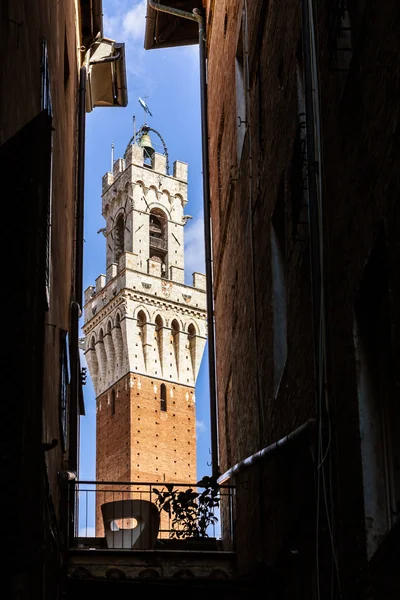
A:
141	319
163	397
158	239
175	341
110	350
156	227
159	337
192	345
119	237
142	332
102	358
118	341
92	360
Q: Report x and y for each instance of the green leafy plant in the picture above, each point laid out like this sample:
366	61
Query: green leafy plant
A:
191	512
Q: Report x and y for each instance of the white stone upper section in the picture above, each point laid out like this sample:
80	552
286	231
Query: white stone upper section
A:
127	277
131	194
141	317
144	324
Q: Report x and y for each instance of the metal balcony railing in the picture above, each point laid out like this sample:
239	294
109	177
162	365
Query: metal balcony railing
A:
127	515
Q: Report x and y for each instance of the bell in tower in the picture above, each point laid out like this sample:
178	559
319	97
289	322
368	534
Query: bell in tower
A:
146	144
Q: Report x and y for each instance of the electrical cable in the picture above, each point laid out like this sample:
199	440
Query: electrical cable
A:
322	333
261	417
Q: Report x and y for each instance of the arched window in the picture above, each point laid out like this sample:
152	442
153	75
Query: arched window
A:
142	332
119	238
118	342
141	319
159	336
156	229
102	355
158	238
175	338
192	345
113	402
163	397
110	350
175	328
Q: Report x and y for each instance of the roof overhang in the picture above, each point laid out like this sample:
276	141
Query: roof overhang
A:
91	20
106	75
164	30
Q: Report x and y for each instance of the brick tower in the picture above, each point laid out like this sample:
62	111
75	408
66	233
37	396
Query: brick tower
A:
145	330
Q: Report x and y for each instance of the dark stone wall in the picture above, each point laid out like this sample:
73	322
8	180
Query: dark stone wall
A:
32	147
276	503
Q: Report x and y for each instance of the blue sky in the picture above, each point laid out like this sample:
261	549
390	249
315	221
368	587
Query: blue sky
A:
170	79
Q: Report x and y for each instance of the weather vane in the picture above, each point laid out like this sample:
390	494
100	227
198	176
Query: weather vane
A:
145	107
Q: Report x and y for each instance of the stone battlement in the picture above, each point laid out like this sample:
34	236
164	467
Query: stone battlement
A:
134	156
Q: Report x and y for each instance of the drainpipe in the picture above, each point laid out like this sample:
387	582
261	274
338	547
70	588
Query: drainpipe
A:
315	212
316	226
106	59
77	302
314	167
307	428
197	16
80	186
73	417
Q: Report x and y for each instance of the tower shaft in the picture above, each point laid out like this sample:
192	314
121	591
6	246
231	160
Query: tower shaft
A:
145	328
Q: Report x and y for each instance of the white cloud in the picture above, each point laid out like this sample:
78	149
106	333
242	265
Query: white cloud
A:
200	427
134	22
87	532
192	51
128	26
135	64
112	27
82	357
194	246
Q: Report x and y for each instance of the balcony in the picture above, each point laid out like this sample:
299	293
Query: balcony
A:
103	510
158	243
121	526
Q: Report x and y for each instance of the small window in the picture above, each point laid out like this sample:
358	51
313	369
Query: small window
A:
340	36
45	101
163	397
66	61
64	387
113	402
119	243
240	79
299	165
279	283
219	165
379	412
45	93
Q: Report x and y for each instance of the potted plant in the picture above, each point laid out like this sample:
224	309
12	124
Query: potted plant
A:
191	512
